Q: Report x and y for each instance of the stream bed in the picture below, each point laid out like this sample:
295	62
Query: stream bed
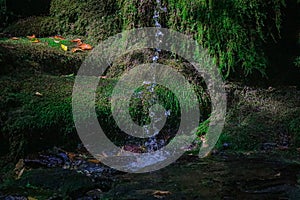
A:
222	176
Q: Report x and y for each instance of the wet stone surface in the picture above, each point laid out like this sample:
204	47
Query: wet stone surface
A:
214	178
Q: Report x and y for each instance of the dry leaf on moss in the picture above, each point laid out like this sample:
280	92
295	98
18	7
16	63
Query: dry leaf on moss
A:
85	46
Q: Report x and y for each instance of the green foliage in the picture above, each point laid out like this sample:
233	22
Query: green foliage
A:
234	31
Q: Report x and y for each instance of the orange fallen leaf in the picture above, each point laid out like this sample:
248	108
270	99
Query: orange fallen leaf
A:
59	37
31	37
76	49
104	77
14	38
85	46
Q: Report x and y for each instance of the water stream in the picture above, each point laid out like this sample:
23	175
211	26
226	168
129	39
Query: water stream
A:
223	176
152	144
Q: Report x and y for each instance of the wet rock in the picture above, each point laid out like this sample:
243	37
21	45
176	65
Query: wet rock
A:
47	160
81	163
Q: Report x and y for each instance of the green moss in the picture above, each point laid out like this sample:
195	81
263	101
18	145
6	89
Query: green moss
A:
23	55
31	122
94	19
235	32
41	26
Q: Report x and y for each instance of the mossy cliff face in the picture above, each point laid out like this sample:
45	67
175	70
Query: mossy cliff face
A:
235	32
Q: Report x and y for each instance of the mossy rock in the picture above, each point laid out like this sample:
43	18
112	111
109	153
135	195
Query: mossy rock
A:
40	26
22	55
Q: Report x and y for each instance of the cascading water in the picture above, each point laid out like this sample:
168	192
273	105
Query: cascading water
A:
153	144
151	130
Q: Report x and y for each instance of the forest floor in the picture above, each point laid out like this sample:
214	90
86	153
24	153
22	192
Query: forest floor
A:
257	156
